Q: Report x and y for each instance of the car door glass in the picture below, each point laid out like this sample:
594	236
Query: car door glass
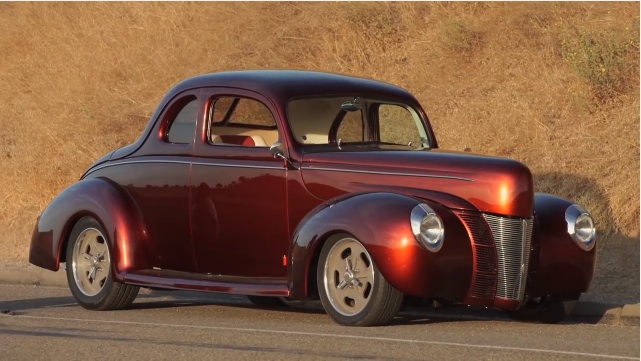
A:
242	122
182	128
397	125
351	128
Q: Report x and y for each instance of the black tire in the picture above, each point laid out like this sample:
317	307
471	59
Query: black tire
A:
549	309
89	269
265	301
374	302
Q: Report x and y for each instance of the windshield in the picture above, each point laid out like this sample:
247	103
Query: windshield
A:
355	120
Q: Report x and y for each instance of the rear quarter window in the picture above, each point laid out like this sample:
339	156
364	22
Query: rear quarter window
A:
182	127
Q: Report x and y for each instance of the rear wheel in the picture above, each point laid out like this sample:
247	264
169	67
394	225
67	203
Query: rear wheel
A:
351	288
548	309
89	267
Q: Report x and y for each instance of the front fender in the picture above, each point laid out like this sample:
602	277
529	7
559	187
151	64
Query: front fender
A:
381	222
110	205
557	264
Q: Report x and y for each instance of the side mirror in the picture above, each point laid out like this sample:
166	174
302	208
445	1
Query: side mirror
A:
278	151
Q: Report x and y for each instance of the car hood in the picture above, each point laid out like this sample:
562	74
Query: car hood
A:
491	184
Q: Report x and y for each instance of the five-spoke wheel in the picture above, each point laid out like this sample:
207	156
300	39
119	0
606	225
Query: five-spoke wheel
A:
90	261
351	287
89	269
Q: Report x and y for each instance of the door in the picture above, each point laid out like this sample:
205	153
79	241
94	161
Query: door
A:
238	192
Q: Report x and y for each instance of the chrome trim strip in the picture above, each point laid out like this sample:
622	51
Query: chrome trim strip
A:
178	162
235	165
390	173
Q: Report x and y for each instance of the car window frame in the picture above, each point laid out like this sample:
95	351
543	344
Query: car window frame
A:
374	113
155	143
227	119
203	147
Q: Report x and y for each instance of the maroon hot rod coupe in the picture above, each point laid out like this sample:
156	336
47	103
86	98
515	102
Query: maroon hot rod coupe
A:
304	185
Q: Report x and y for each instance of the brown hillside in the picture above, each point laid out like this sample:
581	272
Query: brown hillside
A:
555	85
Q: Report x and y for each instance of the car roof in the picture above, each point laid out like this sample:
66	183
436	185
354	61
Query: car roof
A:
281	85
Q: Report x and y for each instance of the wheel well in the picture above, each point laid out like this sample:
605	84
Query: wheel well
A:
312	287
66	233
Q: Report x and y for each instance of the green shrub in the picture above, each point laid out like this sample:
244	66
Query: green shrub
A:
608	61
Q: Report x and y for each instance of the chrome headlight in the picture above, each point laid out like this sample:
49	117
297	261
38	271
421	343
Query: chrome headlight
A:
580	226
427	227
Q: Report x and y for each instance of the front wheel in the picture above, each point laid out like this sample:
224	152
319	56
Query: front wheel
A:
547	309
351	288
89	266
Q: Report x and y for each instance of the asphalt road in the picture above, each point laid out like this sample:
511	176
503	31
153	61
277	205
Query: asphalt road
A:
48	325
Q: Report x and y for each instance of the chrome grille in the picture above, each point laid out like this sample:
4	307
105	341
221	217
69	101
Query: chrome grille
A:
512	237
485	263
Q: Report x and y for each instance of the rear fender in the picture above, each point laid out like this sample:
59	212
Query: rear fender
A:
381	222
111	206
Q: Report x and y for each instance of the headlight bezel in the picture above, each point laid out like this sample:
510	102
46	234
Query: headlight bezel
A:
428	227
581	227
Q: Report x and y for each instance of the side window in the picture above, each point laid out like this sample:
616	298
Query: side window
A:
220	108
183	127
398	126
241	122
351	128
241	111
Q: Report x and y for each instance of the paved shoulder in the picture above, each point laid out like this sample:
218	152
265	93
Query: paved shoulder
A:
183	325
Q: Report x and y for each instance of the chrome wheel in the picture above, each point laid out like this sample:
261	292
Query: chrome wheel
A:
90	262
348	277
89	269
351	287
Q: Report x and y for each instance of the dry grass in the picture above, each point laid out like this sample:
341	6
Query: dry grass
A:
555	85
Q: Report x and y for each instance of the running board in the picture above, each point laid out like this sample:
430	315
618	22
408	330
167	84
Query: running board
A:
176	280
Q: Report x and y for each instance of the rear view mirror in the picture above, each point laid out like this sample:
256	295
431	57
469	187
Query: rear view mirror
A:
351	105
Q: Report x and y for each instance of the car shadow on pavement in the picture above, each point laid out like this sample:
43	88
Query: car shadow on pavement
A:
20	306
584	313
407	316
169	299
178	299
464	313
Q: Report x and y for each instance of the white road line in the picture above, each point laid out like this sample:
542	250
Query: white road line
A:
342	336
